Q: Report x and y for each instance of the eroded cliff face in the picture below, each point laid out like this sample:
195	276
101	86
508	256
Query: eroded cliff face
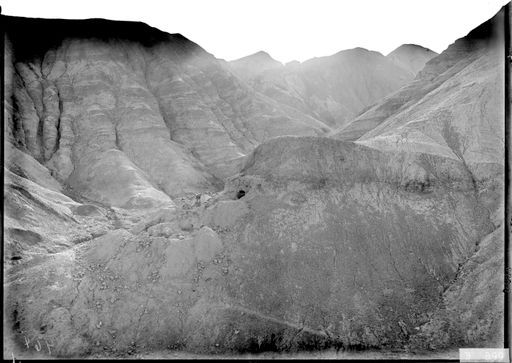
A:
357	242
317	243
120	241
472	309
454	107
133	123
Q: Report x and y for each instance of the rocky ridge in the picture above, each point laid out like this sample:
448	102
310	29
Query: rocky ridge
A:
452	108
332	89
411	57
266	264
94	105
314	243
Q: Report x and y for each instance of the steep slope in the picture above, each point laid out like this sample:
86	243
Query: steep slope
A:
411	57
315	243
332	89
331	244
129	115
472	309
454	107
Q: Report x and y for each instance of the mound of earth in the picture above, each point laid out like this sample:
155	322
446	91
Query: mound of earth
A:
153	205
331	244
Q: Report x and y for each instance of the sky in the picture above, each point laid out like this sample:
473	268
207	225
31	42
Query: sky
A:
286	29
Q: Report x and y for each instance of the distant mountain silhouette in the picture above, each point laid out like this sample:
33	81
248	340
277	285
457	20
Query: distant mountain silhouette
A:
333	89
411	57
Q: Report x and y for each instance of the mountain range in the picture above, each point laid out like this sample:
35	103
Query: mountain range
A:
336	88
158	199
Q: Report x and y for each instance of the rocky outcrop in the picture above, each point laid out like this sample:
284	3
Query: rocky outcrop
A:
131	116
454	107
330	244
472	309
332	89
120	242
39	220
411	57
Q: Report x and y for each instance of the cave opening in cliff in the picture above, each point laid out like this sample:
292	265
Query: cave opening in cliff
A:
240	194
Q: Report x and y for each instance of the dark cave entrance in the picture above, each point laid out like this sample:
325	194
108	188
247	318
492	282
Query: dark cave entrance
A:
240	194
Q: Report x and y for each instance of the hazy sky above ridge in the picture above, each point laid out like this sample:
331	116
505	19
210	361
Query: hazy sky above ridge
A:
286	29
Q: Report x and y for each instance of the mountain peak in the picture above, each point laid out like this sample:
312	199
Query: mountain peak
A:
260	56
254	64
354	50
411	57
408	47
262	53
358	51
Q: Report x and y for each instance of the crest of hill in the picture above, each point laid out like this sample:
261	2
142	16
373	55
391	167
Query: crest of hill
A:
411	57
254	64
332	89
435	113
109	98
